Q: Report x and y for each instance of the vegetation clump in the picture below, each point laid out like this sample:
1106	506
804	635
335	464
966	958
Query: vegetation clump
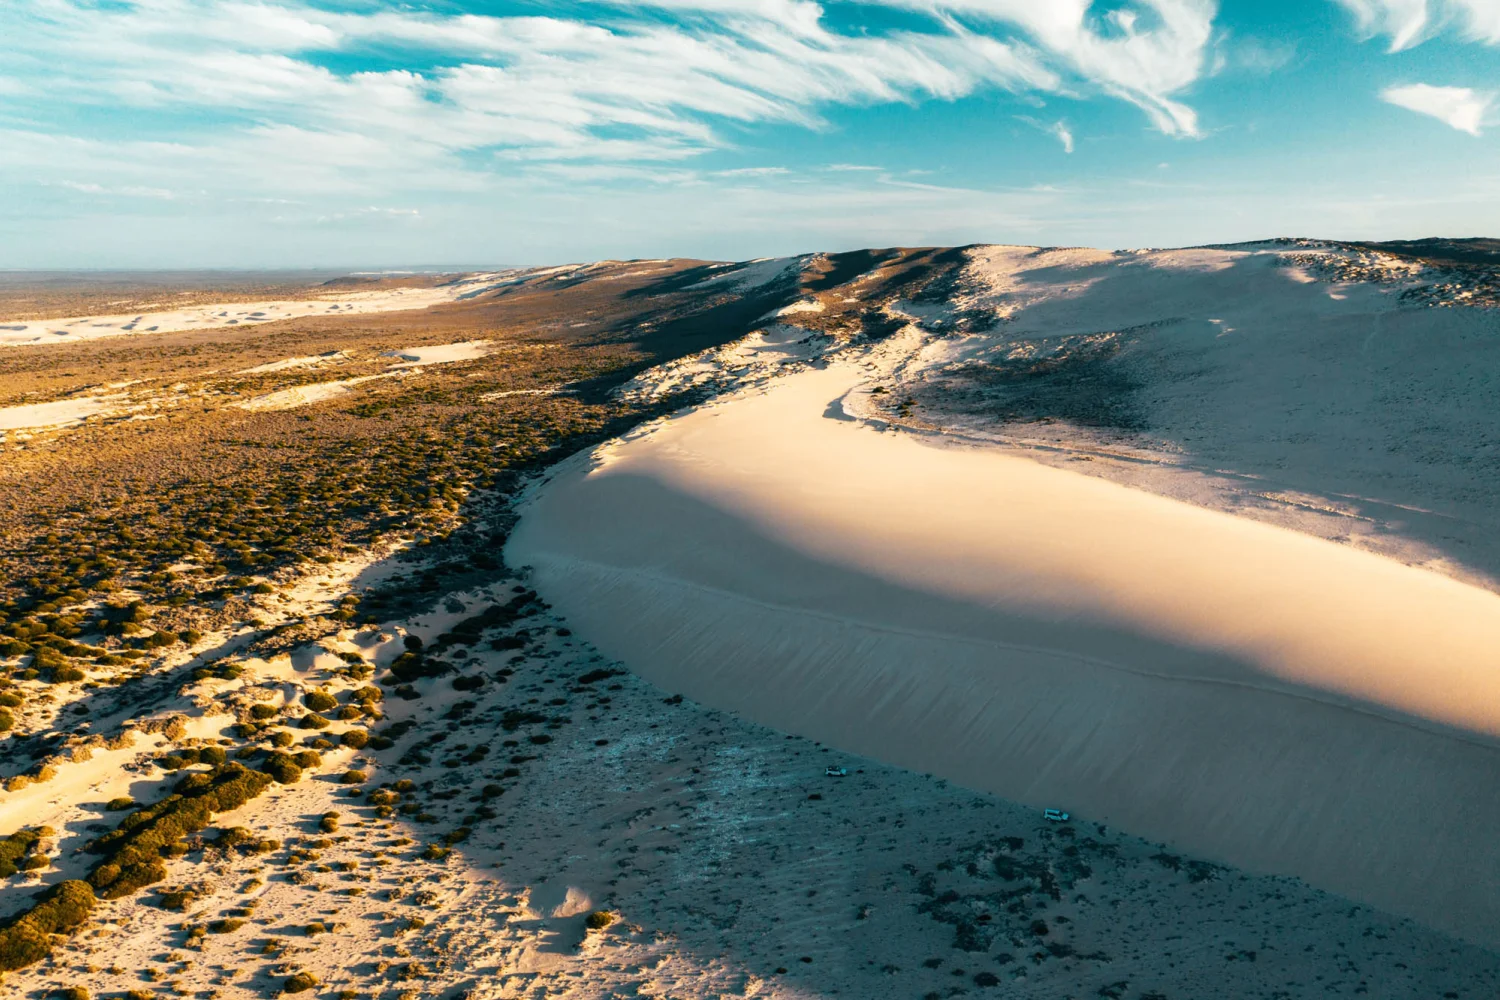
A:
133	851
18	846
301	983
319	701
27	938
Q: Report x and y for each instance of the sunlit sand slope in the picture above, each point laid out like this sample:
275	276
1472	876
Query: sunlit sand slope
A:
1247	693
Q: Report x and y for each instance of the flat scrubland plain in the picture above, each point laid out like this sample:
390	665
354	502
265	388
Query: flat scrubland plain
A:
283	713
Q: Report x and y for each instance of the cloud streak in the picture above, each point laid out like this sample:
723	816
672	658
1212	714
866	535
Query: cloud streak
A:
1460	107
650	80
1408	23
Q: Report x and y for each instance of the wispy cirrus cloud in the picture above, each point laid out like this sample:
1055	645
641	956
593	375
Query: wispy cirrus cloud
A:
646	80
1408	23
1058	130
1460	107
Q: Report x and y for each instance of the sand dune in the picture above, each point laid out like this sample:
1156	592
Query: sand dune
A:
1254	695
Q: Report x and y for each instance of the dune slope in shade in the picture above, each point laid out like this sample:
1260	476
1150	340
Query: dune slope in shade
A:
1246	693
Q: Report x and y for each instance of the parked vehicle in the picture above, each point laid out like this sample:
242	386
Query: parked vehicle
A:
1056	815
836	772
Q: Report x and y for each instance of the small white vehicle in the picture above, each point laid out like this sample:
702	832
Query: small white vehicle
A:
836	772
1056	815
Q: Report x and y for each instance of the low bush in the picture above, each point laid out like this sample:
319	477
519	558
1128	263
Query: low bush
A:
329	823
17	846
599	919
27	937
133	850
120	803
282	767
301	983
354	777
177	899
262	711
320	701
356	738
312	720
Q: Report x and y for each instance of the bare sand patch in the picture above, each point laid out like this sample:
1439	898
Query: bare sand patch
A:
219	315
55	414
304	395
440	354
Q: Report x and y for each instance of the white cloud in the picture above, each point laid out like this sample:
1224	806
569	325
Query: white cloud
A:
1464	109
1064	136
1058	130
1146	53
1411	22
239	106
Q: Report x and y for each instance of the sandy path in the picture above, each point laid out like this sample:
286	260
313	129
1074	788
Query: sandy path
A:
1260	697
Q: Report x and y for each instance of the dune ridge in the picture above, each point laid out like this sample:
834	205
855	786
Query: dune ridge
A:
966	613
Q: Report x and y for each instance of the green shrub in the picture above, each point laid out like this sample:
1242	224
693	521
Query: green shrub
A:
282	738
9	699
73	993
312	720
177	899
35	862
354	777
320	701
212	755
301	983
262	711
329	823
120	803
7	721
599	919
356	738
133	850
282	767
308	758
17	846
27	937
225	926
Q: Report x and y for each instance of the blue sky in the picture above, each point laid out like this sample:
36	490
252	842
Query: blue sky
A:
351	133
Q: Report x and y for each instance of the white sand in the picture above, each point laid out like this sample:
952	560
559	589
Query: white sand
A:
310	361
304	395
440	354
219	315
1247	693
55	414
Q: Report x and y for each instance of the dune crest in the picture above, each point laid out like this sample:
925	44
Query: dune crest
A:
1252	694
